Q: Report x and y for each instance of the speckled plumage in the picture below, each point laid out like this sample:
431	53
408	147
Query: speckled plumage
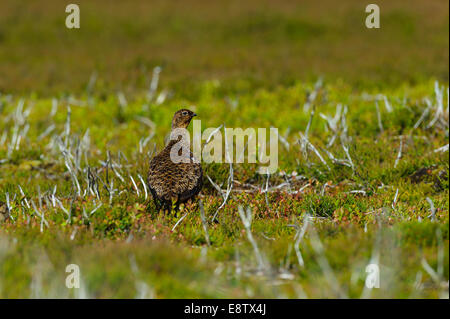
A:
174	182
4	212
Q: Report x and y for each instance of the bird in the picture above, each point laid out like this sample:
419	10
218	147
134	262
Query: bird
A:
4	211
175	181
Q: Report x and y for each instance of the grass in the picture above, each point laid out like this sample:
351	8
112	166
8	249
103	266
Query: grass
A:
79	124
126	249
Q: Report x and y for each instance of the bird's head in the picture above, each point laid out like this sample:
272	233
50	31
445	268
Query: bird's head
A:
182	118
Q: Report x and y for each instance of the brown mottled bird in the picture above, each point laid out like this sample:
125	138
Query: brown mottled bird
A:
171	181
4	211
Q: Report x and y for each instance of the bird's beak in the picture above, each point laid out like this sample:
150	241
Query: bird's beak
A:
195	114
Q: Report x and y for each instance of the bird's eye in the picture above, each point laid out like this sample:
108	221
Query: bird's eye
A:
185	113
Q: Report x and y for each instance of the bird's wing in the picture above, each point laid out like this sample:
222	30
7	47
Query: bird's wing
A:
190	181
157	176
174	180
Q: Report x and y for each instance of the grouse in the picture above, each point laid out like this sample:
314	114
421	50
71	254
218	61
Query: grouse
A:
175	181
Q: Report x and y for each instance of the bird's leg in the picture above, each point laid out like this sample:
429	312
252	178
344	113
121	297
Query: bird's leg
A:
155	200
158	204
147	208
167	206
177	205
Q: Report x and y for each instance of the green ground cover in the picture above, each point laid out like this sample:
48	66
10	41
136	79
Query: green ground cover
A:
78	125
